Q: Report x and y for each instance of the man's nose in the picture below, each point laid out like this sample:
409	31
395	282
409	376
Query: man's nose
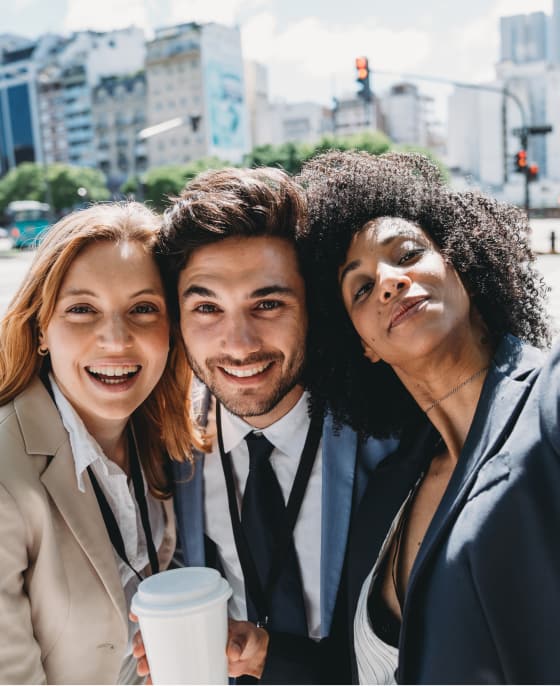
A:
241	337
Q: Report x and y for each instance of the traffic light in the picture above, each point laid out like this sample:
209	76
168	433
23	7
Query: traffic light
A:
533	172
362	77
521	161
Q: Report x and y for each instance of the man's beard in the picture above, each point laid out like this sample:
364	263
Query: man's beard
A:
246	405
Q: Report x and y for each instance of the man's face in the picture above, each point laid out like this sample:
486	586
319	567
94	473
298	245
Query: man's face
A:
244	324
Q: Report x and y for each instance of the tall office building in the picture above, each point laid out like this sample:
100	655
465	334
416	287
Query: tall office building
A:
66	85
406	114
554	33
194	73
20	139
119	113
524	38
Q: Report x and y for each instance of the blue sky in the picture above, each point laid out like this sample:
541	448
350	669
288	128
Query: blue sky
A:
309	46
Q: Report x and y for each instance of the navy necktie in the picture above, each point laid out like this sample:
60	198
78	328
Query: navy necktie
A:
263	516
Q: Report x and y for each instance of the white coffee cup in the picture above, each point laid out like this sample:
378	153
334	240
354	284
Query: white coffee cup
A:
183	619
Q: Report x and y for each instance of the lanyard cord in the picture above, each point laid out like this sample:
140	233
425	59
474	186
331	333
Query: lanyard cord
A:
109	518
260	596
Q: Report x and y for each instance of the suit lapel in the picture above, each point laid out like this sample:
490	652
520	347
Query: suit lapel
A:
386	491
189	508
503	396
82	515
339	462
44	435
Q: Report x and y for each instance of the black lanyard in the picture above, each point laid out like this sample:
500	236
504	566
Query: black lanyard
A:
109	518
260	596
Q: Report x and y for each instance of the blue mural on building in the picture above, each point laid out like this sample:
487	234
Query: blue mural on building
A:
226	106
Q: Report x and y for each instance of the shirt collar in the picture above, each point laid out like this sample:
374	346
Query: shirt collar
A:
85	449
287	434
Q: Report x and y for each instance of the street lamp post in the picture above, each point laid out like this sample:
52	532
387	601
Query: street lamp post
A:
522	133
155	130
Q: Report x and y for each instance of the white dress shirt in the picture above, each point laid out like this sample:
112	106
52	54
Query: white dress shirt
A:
120	496
287	435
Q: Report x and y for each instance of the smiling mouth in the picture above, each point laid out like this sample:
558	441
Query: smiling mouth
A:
247	372
406	309
113	375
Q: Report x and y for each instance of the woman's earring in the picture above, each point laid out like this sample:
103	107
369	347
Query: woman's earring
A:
43	351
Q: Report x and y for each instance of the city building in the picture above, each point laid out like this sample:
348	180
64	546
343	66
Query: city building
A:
406	114
554	33
66	84
281	122
118	115
194	73
475	135
524	38
353	114
257	99
20	139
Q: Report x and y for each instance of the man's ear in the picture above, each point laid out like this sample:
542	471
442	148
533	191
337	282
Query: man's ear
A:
369	352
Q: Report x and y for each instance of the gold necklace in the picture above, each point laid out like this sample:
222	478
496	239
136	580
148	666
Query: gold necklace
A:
455	389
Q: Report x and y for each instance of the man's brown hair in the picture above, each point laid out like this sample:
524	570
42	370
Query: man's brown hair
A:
230	203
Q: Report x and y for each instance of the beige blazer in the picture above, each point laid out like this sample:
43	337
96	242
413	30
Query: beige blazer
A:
63	616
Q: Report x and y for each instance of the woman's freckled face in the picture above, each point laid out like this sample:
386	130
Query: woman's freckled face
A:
402	296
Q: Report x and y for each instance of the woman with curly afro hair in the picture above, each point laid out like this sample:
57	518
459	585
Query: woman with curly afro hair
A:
426	315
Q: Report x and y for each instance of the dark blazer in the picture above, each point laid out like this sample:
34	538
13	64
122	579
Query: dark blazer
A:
483	601
347	463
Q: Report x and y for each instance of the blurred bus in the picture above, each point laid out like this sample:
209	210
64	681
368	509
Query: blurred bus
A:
28	219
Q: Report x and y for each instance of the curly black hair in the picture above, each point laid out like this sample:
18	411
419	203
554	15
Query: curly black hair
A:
487	242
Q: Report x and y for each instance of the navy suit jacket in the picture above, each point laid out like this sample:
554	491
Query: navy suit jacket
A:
347	463
483	601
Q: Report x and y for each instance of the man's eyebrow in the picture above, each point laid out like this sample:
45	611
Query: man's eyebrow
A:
274	289
198	290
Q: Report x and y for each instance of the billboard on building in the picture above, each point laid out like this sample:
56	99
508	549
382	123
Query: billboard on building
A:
225	105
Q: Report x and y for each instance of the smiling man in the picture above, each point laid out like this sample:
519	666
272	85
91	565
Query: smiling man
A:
270	504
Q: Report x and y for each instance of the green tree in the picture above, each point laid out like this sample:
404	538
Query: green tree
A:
161	183
445	175
374	142
291	156
65	180
27	182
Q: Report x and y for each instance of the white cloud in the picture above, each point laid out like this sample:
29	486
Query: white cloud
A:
106	15
313	60
22	5
227	12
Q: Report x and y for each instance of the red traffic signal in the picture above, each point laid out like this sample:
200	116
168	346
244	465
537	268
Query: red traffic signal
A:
533	172
362	68
362	77
521	161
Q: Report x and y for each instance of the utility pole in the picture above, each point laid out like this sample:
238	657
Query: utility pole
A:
522	133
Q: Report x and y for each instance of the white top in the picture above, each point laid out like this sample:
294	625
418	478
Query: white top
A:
287	435
377	661
120	496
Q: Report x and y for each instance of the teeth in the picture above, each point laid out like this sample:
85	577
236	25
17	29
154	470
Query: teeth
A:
114	371
243	373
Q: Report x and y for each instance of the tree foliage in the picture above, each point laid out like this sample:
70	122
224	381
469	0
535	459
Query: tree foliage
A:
161	183
426	151
291	156
27	182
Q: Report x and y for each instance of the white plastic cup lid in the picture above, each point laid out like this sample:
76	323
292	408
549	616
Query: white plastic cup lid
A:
189	589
